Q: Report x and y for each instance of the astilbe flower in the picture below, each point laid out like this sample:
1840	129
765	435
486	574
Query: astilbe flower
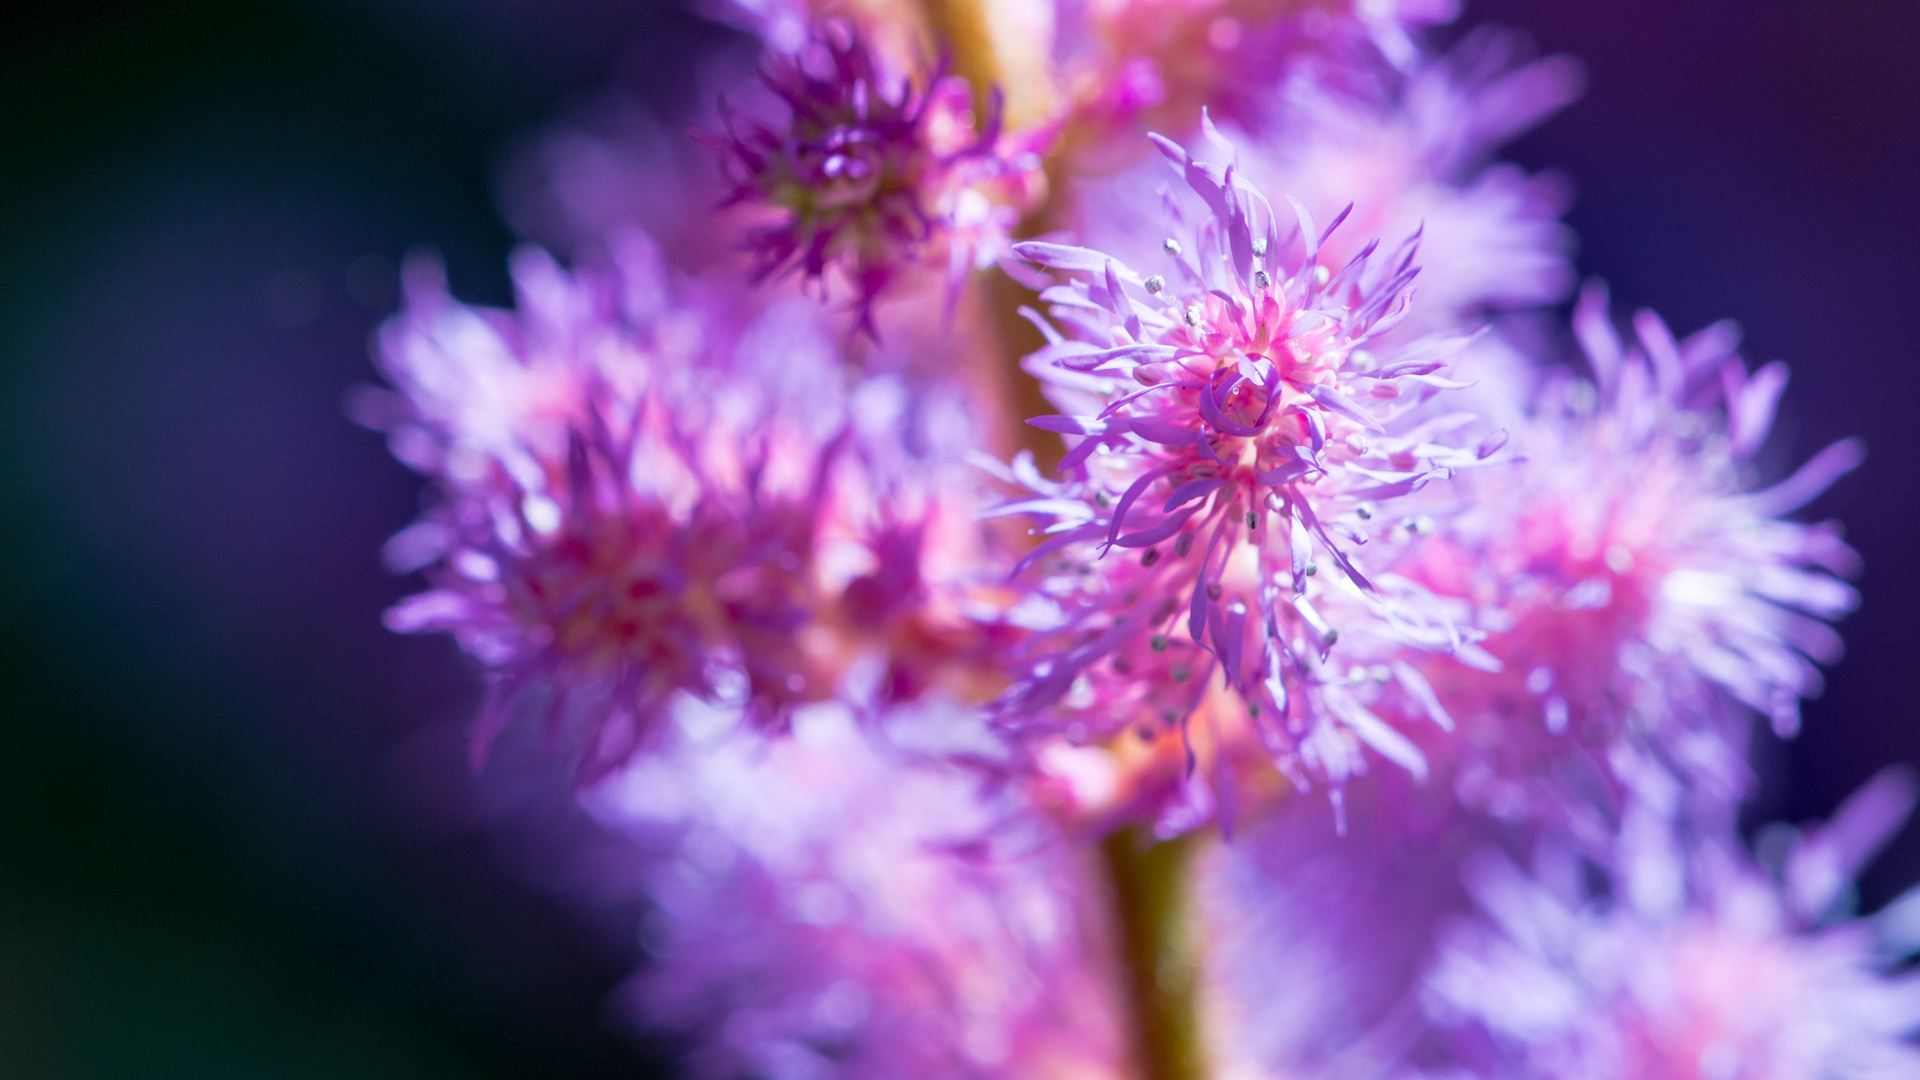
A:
891	26
1317	939
1237	433
1490	235
1632	580
827	908
651	490
868	177
1411	162
1694	964
1160	62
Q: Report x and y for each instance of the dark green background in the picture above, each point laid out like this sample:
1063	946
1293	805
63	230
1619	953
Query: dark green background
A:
232	836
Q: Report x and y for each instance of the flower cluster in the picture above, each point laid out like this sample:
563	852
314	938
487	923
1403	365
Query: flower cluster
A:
824	907
867	179
1161	61
1241	439
1633	584
1425	950
942	751
651	491
1490	236
1695	964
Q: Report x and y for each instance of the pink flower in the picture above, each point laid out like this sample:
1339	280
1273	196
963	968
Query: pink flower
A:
1317	940
1695	965
1237	431
654	488
868	179
1634	583
1158	63
827	908
1490	236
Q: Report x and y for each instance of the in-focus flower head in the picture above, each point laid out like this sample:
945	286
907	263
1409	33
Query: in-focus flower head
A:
653	489
1236	442
1693	965
827	908
1630	576
869	176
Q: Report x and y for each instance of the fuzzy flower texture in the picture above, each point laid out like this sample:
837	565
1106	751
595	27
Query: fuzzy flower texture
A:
1340	677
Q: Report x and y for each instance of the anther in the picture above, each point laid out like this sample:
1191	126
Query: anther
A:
1261	280
1154	284
1158	642
1172	246
1260	246
1149	556
1253	520
1183	545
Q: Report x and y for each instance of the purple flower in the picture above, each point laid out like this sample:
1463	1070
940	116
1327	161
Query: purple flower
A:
1161	62
1490	236
1316	941
826	908
867	179
1694	964
1634	584
1237	440
654	487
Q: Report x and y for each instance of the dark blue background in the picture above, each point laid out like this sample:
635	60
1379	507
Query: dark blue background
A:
209	863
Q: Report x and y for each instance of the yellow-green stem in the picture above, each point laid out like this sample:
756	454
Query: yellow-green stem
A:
1152	891
961	27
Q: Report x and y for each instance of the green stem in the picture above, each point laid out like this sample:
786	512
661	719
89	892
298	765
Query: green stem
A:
1152	891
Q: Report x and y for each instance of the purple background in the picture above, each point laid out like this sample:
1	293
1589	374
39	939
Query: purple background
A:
210	864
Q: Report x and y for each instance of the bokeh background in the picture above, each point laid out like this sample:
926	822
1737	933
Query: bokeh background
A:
233	835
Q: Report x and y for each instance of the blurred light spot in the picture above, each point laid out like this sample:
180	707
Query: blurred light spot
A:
1224	34
846	1004
820	904
986	1041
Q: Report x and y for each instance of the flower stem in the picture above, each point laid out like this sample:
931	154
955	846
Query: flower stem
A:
1151	885
1004	44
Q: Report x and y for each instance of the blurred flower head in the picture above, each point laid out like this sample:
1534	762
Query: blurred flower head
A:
1638	589
1692	964
1317	940
653	487
1416	160
1159	63
827	907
